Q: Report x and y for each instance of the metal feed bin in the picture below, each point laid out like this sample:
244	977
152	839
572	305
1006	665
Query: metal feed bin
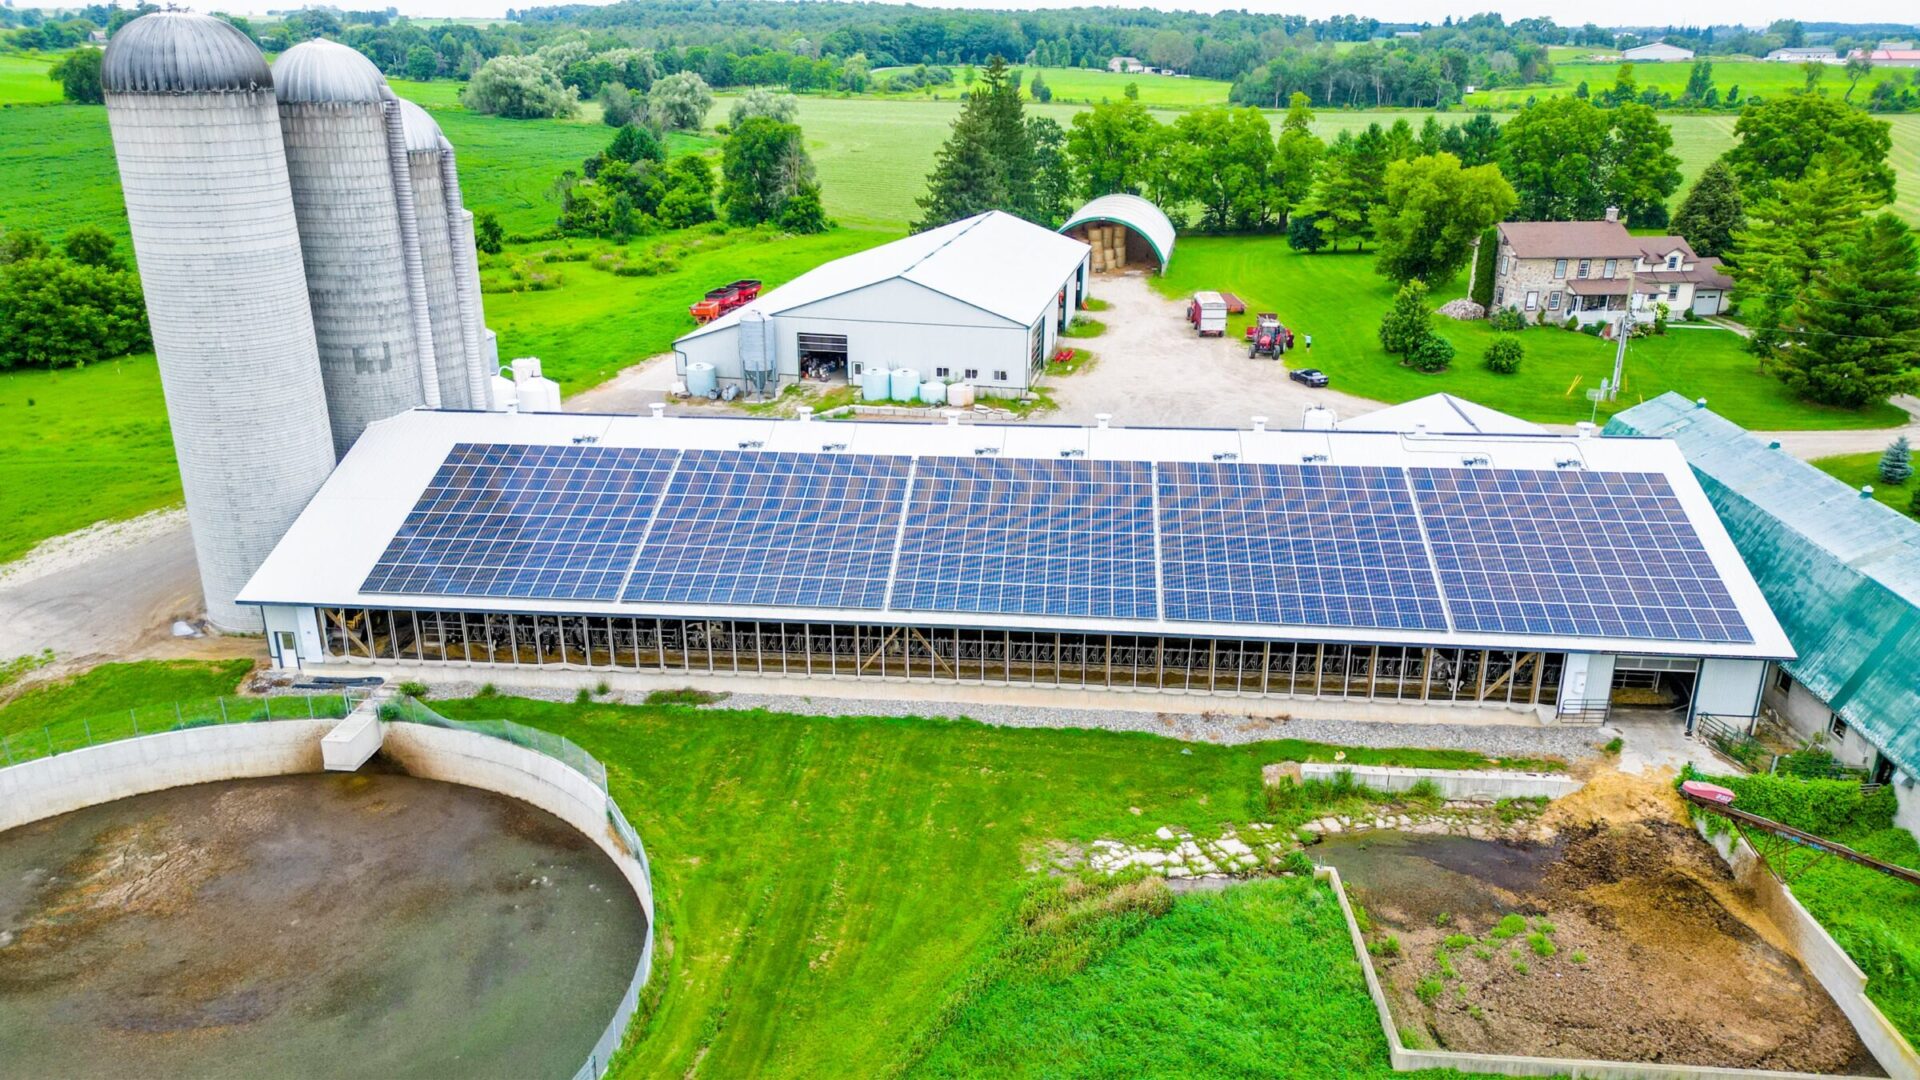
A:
756	352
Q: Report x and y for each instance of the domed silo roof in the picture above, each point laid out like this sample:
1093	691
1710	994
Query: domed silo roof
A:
179	52
322	72
423	135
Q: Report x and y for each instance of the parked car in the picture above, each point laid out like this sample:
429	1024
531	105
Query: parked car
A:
1312	376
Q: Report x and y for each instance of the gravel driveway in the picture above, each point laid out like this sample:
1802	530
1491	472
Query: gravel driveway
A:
1153	371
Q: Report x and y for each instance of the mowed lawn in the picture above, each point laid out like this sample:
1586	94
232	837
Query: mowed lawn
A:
1339	299
825	885
24	81
1091	86
1863	470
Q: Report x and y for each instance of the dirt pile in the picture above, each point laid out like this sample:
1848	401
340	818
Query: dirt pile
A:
1634	944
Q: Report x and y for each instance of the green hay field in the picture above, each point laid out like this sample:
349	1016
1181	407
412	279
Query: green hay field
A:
23	79
1753	77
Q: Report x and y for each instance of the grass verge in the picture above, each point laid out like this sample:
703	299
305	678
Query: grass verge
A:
1861	470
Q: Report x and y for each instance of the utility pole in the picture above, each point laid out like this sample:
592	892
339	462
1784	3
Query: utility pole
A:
1625	331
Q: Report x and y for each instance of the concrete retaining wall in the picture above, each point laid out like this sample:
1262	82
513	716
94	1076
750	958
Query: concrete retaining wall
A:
1836	972
481	761
1408	1060
117	770
1453	783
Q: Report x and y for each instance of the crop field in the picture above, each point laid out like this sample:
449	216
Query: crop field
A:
1753	77
1339	299
1085	85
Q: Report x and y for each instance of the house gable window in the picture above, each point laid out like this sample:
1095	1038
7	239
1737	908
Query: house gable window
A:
1559	268
1586	267
1607	272
1673	261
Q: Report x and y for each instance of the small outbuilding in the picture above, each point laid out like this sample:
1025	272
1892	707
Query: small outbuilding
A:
1123	231
980	301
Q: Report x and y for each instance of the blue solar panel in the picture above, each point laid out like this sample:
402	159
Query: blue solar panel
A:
1294	545
547	522
1573	552
1029	536
796	530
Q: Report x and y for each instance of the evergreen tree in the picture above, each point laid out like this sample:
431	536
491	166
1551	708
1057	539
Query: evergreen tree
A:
1296	156
987	162
1896	465
1858	329
1712	212
1699	83
1804	223
1342	196
1407	322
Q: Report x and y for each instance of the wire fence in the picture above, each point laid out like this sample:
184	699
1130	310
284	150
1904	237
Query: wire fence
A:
64	736
558	747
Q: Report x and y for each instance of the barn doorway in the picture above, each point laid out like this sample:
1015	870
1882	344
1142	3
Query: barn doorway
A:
1116	248
823	357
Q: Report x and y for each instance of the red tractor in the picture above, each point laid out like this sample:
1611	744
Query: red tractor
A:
1266	337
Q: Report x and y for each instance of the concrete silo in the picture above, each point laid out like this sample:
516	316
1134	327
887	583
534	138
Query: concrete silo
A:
197	134
352	195
443	250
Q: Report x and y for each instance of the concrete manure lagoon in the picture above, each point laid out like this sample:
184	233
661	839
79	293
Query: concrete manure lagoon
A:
315	925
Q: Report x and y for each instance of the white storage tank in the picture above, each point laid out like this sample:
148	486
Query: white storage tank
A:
203	170
533	391
875	384
933	393
961	395
425	168
702	380
377	360
905	384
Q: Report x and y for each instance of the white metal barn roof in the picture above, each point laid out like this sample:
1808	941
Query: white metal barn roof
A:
1441	414
1357	495
1135	213
997	262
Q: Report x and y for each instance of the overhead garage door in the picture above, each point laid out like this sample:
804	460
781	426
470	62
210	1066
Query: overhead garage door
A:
1706	302
823	345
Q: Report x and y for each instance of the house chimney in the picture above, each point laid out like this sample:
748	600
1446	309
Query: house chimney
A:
1613	214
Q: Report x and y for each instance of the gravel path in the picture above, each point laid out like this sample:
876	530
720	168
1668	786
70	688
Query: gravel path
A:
1223	728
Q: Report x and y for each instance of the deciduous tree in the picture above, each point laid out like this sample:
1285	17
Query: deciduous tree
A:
1780	139
679	102
519	87
78	74
1115	147
1433	212
765	166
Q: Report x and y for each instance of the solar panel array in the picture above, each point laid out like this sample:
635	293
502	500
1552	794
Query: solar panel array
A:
798	530
1029	537
553	522
1563	552
1572	552
1294	545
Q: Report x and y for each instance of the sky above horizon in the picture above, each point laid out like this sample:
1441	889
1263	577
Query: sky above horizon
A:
1623	13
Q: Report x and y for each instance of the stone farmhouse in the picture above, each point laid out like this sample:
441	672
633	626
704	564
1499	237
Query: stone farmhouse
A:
1555	270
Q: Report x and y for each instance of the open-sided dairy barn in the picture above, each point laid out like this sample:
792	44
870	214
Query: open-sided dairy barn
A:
1514	571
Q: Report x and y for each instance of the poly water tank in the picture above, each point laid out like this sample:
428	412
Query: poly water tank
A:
373	355
933	393
702	379
960	394
875	384
503	396
204	174
437	256
905	384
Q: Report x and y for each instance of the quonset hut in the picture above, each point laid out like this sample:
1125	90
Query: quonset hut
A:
1382	569
197	133
1123	231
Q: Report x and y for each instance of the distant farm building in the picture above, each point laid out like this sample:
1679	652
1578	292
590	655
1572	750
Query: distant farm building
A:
1123	231
1656	53
981	301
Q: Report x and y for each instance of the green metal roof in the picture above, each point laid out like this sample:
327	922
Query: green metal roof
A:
1840	570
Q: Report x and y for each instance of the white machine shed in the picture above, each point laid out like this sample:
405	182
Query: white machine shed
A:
980	301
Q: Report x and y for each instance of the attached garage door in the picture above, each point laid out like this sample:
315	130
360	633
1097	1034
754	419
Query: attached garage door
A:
1706	302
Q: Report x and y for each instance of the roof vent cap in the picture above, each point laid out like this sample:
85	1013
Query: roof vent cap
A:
1866	491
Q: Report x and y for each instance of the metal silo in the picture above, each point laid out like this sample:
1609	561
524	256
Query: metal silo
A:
457	357
197	135
349	187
